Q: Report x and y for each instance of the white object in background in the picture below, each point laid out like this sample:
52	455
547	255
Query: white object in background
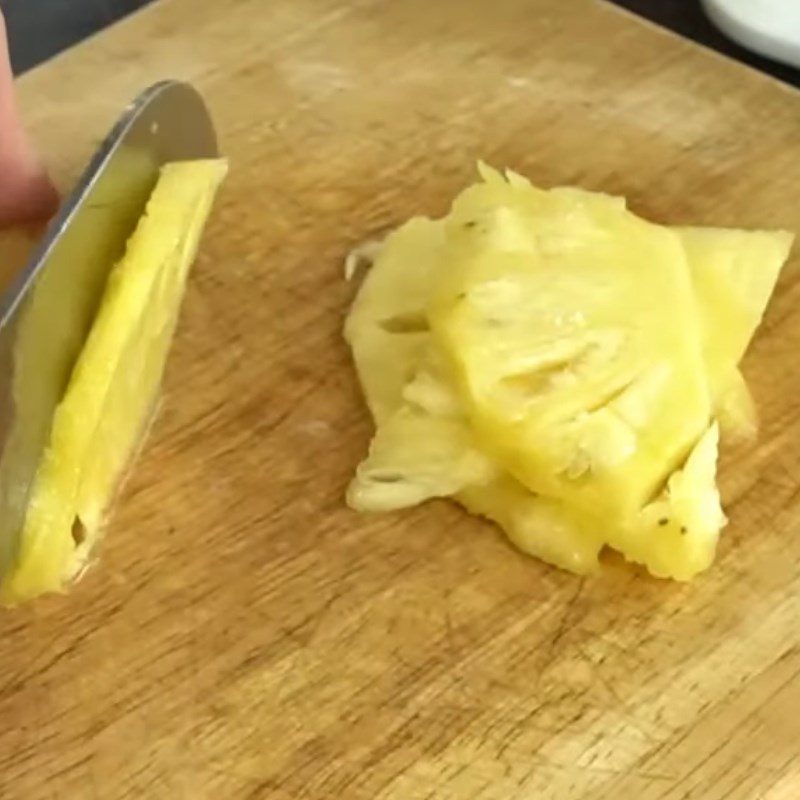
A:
768	27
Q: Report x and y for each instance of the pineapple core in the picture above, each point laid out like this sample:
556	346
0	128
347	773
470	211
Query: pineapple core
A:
563	367
114	385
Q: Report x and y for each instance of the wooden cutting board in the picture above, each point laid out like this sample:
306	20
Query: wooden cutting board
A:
245	635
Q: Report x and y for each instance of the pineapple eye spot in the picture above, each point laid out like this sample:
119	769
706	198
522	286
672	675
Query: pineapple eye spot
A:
78	532
413	322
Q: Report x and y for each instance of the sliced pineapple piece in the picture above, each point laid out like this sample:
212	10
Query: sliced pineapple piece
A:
113	387
539	526
414	457
676	535
423	447
426	450
573	329
733	273
390	313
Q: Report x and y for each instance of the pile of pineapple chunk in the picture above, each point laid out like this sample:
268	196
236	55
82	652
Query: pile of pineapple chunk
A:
555	363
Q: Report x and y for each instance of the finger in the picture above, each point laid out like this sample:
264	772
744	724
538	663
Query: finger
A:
26	192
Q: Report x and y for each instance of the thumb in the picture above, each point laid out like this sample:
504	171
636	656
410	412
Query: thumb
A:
26	192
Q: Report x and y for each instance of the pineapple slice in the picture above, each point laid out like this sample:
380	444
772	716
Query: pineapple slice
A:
539	526
573	328
424	446
733	273
676	535
113	388
390	314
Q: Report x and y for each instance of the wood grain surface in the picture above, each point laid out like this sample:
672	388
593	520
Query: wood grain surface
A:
245	635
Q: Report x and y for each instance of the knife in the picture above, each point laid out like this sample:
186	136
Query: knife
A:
46	313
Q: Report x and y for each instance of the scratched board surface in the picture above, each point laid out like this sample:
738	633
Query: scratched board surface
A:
245	635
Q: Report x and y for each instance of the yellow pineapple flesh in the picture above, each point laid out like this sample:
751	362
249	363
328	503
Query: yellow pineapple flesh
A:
113	387
432	436
573	329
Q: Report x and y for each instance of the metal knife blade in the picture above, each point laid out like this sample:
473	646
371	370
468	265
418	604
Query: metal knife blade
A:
48	310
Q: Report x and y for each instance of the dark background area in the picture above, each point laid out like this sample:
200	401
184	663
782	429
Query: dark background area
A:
39	29
687	18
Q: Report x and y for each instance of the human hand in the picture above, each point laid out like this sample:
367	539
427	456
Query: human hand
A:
26	192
